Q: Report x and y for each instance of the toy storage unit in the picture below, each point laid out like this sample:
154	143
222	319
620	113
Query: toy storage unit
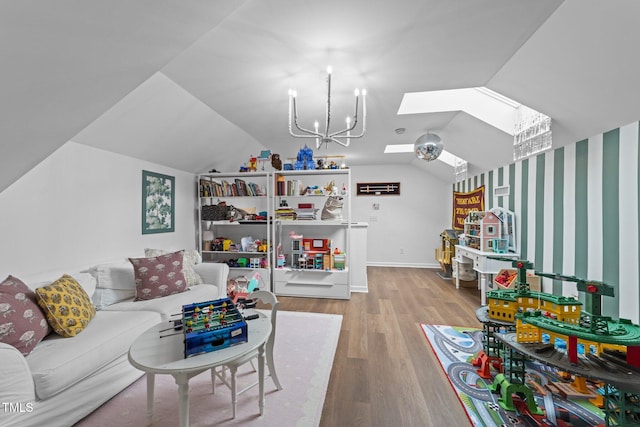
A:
244	242
312	255
212	325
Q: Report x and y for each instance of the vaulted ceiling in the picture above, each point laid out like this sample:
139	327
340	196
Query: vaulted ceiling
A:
198	84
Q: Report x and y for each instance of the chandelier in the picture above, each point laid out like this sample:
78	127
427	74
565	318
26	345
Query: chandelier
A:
342	137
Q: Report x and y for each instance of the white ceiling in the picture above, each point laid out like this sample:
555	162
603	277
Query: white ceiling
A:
196	85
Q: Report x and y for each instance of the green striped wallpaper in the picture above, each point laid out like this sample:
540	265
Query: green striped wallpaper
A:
578	213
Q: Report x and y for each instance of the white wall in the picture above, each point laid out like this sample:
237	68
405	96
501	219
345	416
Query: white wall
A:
411	221
82	206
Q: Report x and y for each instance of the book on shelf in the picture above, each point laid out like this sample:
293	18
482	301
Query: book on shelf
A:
285	213
292	187
306	214
241	187
306	211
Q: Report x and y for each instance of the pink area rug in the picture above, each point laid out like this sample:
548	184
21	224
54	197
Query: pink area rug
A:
303	354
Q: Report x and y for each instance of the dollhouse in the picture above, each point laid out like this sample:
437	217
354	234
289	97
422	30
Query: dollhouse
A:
490	231
481	228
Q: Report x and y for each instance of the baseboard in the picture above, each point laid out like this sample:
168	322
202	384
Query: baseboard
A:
406	265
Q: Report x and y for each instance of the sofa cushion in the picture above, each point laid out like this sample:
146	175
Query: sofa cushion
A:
190	258
115	282
57	363
171	305
67	306
22	322
159	276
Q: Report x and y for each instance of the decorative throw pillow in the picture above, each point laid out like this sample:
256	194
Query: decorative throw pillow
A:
159	276
22	322
190	259
67	306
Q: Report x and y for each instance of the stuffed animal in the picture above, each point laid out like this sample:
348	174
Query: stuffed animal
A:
332	208
276	162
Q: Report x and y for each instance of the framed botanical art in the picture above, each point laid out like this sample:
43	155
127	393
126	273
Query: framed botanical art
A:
158	198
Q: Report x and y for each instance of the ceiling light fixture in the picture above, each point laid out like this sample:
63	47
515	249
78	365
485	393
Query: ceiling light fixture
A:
342	137
428	147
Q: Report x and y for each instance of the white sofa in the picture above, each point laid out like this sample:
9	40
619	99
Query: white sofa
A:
64	379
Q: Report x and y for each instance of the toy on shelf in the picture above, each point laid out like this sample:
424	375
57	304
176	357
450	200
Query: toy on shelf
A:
304	160
312	254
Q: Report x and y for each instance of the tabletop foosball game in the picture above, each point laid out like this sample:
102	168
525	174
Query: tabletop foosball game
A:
212	325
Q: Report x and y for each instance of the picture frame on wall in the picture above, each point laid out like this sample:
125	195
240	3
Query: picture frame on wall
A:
158	203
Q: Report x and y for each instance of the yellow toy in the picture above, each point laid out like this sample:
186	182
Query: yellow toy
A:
253	164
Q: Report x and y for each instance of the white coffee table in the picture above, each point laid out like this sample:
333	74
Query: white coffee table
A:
155	355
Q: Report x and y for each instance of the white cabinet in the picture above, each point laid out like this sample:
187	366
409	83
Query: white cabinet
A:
312	255
244	240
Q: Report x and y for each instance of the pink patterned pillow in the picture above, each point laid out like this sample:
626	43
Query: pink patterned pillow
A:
22	322
159	276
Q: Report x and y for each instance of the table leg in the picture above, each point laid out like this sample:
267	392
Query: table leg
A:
483	289
261	378
150	390
457	268
183	399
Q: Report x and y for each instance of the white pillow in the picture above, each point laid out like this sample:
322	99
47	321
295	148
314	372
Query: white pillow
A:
115	282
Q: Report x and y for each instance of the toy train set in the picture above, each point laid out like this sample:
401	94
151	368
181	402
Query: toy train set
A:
556	330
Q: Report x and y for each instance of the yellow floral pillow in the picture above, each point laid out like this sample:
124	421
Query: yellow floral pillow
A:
67	306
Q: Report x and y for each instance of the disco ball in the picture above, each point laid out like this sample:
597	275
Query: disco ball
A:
428	147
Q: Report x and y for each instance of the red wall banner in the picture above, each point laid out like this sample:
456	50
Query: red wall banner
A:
463	203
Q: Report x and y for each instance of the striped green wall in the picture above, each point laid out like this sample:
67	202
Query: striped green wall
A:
578	213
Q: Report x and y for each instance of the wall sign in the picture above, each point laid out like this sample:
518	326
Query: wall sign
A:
463	203
378	188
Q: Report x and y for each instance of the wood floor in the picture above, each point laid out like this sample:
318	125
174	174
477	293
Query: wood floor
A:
384	372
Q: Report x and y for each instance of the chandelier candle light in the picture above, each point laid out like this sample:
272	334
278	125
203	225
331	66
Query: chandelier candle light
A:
342	137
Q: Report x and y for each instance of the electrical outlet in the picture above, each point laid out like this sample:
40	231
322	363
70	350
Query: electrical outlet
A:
401	251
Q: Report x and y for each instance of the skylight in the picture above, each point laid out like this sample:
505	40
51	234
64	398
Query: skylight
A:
398	148
479	102
531	129
445	156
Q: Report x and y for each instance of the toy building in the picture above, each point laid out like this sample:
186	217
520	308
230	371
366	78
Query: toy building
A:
481	228
446	252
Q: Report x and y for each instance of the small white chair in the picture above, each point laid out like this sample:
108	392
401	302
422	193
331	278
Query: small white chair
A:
270	299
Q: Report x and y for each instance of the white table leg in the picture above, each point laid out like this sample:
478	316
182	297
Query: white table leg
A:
456	265
483	289
261	378
234	389
150	389
183	399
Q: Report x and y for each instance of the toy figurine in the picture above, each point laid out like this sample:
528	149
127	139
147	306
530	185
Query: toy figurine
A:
276	162
253	164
